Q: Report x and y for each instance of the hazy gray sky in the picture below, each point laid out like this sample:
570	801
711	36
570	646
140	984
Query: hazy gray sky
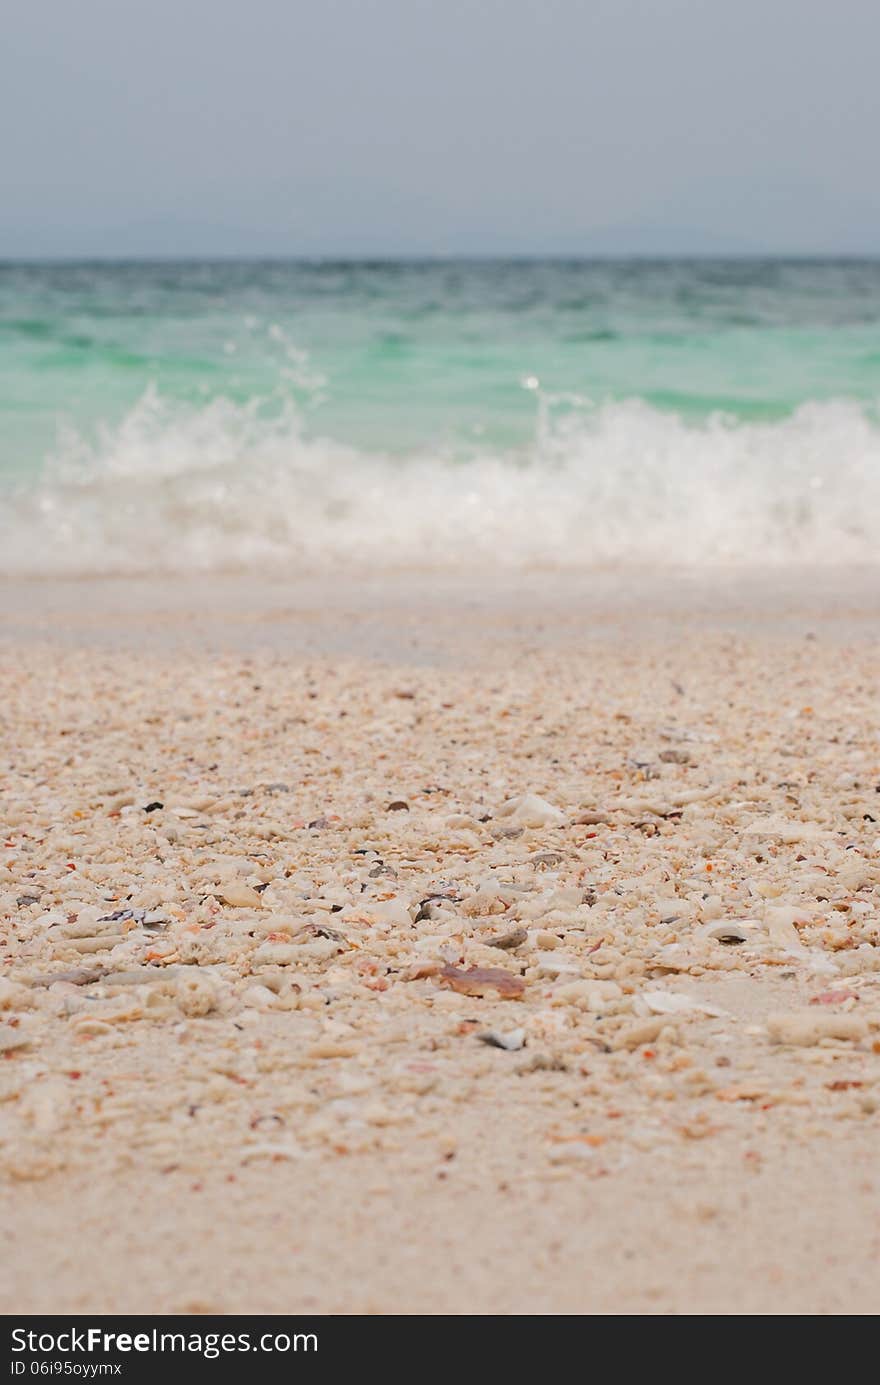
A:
438	126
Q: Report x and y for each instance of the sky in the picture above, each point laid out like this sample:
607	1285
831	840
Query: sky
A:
438	127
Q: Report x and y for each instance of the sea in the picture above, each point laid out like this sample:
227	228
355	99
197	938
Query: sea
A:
348	417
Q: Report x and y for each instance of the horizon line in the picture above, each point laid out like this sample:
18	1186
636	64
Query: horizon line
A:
438	257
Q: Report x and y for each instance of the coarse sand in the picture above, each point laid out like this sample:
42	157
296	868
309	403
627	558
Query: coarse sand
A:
433	945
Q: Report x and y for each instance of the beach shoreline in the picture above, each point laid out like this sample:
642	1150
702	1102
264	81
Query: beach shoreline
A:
461	607
262	1086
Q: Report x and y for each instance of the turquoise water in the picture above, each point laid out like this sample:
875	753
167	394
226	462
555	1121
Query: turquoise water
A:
223	414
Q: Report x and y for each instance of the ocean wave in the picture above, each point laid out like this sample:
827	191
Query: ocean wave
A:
224	486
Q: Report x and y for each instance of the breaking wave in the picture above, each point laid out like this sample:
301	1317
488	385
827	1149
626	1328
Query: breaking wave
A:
181	489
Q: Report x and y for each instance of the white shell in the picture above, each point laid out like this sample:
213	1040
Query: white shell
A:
728	930
531	811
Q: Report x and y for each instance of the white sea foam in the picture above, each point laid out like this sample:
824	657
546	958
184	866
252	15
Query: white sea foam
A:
174	489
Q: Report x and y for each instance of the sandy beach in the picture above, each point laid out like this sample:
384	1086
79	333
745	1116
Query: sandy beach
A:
441	945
